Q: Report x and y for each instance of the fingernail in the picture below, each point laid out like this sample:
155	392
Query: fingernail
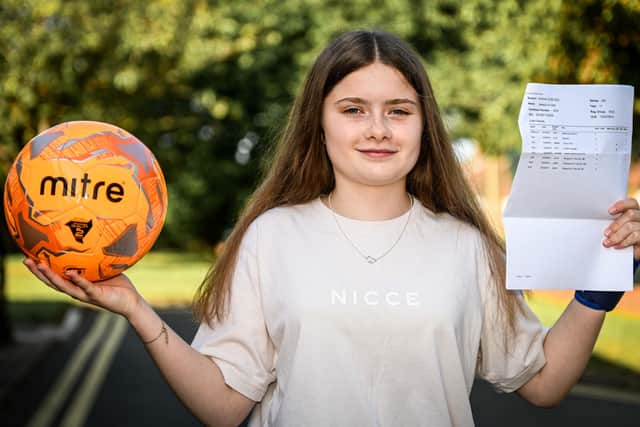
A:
607	232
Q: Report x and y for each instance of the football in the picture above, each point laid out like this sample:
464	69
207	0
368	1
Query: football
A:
85	196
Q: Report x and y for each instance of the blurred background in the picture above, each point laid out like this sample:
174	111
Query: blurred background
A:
207	85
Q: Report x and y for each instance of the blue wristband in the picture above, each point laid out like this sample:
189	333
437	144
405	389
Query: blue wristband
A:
602	300
599	300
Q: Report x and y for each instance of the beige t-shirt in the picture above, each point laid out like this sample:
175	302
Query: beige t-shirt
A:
320	337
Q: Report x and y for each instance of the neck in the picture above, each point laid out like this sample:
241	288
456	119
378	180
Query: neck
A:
370	203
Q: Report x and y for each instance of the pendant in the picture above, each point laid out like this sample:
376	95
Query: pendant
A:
370	259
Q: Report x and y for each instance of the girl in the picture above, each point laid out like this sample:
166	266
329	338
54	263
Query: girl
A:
362	285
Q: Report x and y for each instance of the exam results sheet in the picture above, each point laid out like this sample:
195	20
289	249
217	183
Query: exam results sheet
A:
576	152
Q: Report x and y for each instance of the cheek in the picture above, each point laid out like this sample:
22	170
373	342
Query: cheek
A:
335	151
412	159
416	142
413	154
338	141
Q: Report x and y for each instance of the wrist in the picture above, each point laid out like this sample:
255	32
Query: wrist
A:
139	312
599	300
149	325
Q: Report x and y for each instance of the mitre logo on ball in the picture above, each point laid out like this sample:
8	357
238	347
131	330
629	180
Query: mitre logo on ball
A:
85	196
113	191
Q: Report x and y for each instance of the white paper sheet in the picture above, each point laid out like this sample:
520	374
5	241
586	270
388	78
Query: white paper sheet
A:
576	151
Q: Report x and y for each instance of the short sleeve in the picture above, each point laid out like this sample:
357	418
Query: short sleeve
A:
240	344
509	367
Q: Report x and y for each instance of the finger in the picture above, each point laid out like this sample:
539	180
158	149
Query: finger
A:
88	288
629	231
67	286
60	283
631	240
31	265
623	205
631	215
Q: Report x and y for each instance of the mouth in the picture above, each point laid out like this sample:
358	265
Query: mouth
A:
377	152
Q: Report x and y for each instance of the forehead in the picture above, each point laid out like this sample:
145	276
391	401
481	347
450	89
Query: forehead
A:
374	81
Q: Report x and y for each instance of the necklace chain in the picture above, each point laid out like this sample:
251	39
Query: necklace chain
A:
370	259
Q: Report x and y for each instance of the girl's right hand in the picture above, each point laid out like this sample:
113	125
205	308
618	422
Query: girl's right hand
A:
116	294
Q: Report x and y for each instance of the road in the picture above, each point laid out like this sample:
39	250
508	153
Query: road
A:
102	376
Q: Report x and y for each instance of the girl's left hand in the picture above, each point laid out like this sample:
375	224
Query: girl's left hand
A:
625	230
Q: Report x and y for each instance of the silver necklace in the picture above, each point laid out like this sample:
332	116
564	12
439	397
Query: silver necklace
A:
370	259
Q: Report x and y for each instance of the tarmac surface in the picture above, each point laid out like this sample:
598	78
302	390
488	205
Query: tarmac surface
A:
93	371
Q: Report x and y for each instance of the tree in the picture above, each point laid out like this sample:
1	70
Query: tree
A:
505	45
598	42
190	79
193	78
508	43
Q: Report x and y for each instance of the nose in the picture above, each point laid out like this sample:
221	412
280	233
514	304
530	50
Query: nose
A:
378	128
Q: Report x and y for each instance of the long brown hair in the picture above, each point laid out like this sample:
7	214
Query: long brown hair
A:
300	170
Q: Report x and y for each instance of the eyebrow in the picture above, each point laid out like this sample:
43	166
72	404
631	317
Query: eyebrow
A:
395	101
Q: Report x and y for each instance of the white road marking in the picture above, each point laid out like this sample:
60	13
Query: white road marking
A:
58	393
79	409
605	393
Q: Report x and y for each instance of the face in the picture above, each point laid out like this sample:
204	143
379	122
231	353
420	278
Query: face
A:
372	123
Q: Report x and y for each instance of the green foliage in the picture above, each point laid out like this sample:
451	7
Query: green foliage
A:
511	42
507	46
598	42
192	78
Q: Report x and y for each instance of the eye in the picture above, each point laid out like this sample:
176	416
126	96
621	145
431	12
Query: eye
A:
352	110
400	112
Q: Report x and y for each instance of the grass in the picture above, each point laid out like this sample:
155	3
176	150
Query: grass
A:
616	357
163	278
619	339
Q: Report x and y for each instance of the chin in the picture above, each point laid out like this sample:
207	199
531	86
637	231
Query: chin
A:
380	181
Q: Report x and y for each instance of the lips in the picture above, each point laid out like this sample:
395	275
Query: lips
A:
377	152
